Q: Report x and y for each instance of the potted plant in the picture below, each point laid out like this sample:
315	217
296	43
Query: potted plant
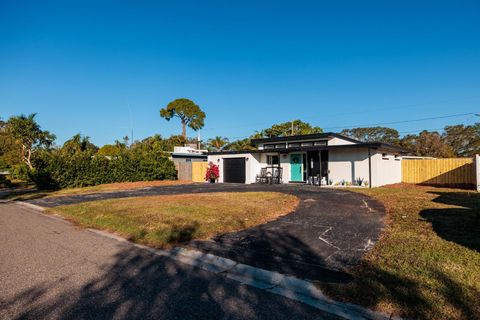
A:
213	172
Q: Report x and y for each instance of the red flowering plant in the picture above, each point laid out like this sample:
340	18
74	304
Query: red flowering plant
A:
213	172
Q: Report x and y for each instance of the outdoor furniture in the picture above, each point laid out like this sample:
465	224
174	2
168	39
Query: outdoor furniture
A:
262	177
277	176
314	180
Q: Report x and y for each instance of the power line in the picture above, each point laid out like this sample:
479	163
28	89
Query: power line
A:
402	121
392	122
360	112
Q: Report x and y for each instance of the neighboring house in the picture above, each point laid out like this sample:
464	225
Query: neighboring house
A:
188	154
329	157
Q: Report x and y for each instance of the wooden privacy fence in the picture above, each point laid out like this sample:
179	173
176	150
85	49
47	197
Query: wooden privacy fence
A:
191	171
184	170
456	171
199	169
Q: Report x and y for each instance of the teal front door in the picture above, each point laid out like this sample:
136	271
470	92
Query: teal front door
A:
296	170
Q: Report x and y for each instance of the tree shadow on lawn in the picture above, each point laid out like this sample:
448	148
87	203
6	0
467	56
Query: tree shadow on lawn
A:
460	225
373	287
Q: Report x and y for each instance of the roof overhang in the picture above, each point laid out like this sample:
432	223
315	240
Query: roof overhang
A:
326	135
188	155
369	145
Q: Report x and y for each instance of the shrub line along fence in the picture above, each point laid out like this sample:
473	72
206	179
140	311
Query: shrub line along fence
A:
463	172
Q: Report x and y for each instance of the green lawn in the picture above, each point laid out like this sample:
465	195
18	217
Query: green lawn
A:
427	263
163	221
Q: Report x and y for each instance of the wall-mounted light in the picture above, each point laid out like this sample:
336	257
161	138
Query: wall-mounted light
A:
246	159
218	160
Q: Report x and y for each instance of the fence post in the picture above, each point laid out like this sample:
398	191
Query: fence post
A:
477	171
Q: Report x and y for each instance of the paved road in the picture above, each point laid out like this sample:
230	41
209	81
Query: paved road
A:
50	269
327	234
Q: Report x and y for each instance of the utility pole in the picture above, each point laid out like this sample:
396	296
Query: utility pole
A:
292	127
198	140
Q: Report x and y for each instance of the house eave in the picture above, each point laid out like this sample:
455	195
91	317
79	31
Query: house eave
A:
372	145
326	135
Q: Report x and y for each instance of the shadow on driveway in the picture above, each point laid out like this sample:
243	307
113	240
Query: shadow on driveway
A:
326	235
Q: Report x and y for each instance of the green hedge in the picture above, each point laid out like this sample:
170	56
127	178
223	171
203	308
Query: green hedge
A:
57	170
5	182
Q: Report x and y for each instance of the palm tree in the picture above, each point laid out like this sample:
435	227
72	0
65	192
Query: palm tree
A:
217	143
238	145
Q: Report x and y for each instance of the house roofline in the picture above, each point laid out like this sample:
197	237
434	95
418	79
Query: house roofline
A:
306	136
372	145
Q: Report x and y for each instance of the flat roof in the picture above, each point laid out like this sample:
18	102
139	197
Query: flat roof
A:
324	135
372	145
188	155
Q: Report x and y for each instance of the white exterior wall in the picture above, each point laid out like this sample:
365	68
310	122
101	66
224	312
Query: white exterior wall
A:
338	141
348	164
344	164
386	169
252	165
352	163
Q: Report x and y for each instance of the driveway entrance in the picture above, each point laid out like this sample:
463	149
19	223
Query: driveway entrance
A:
327	234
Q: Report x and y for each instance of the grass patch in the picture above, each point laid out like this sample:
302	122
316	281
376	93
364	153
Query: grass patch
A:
427	263
29	192
163	221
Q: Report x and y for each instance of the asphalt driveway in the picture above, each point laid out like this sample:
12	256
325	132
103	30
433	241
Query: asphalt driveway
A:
327	234
50	269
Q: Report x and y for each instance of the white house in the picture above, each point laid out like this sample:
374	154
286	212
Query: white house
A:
327	157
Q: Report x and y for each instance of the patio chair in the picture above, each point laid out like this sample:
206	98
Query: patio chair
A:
262	177
277	176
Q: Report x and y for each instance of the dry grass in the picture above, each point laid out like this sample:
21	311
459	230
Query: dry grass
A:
163	221
29	192
427	263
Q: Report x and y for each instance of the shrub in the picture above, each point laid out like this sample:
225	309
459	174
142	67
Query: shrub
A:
20	172
5	182
59	170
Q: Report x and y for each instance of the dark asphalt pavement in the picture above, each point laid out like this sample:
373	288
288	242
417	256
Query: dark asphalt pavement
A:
50	269
327	234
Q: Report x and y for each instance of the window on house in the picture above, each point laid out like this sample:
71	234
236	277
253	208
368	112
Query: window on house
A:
269	146
294	145
320	143
280	146
273	160
307	144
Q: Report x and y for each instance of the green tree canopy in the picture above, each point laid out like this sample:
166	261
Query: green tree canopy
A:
110	150
217	143
428	144
10	148
237	145
189	113
295	127
78	144
380	134
464	139
30	135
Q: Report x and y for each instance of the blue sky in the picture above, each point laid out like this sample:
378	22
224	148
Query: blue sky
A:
248	64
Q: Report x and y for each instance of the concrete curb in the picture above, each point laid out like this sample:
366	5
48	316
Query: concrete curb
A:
287	286
31	206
